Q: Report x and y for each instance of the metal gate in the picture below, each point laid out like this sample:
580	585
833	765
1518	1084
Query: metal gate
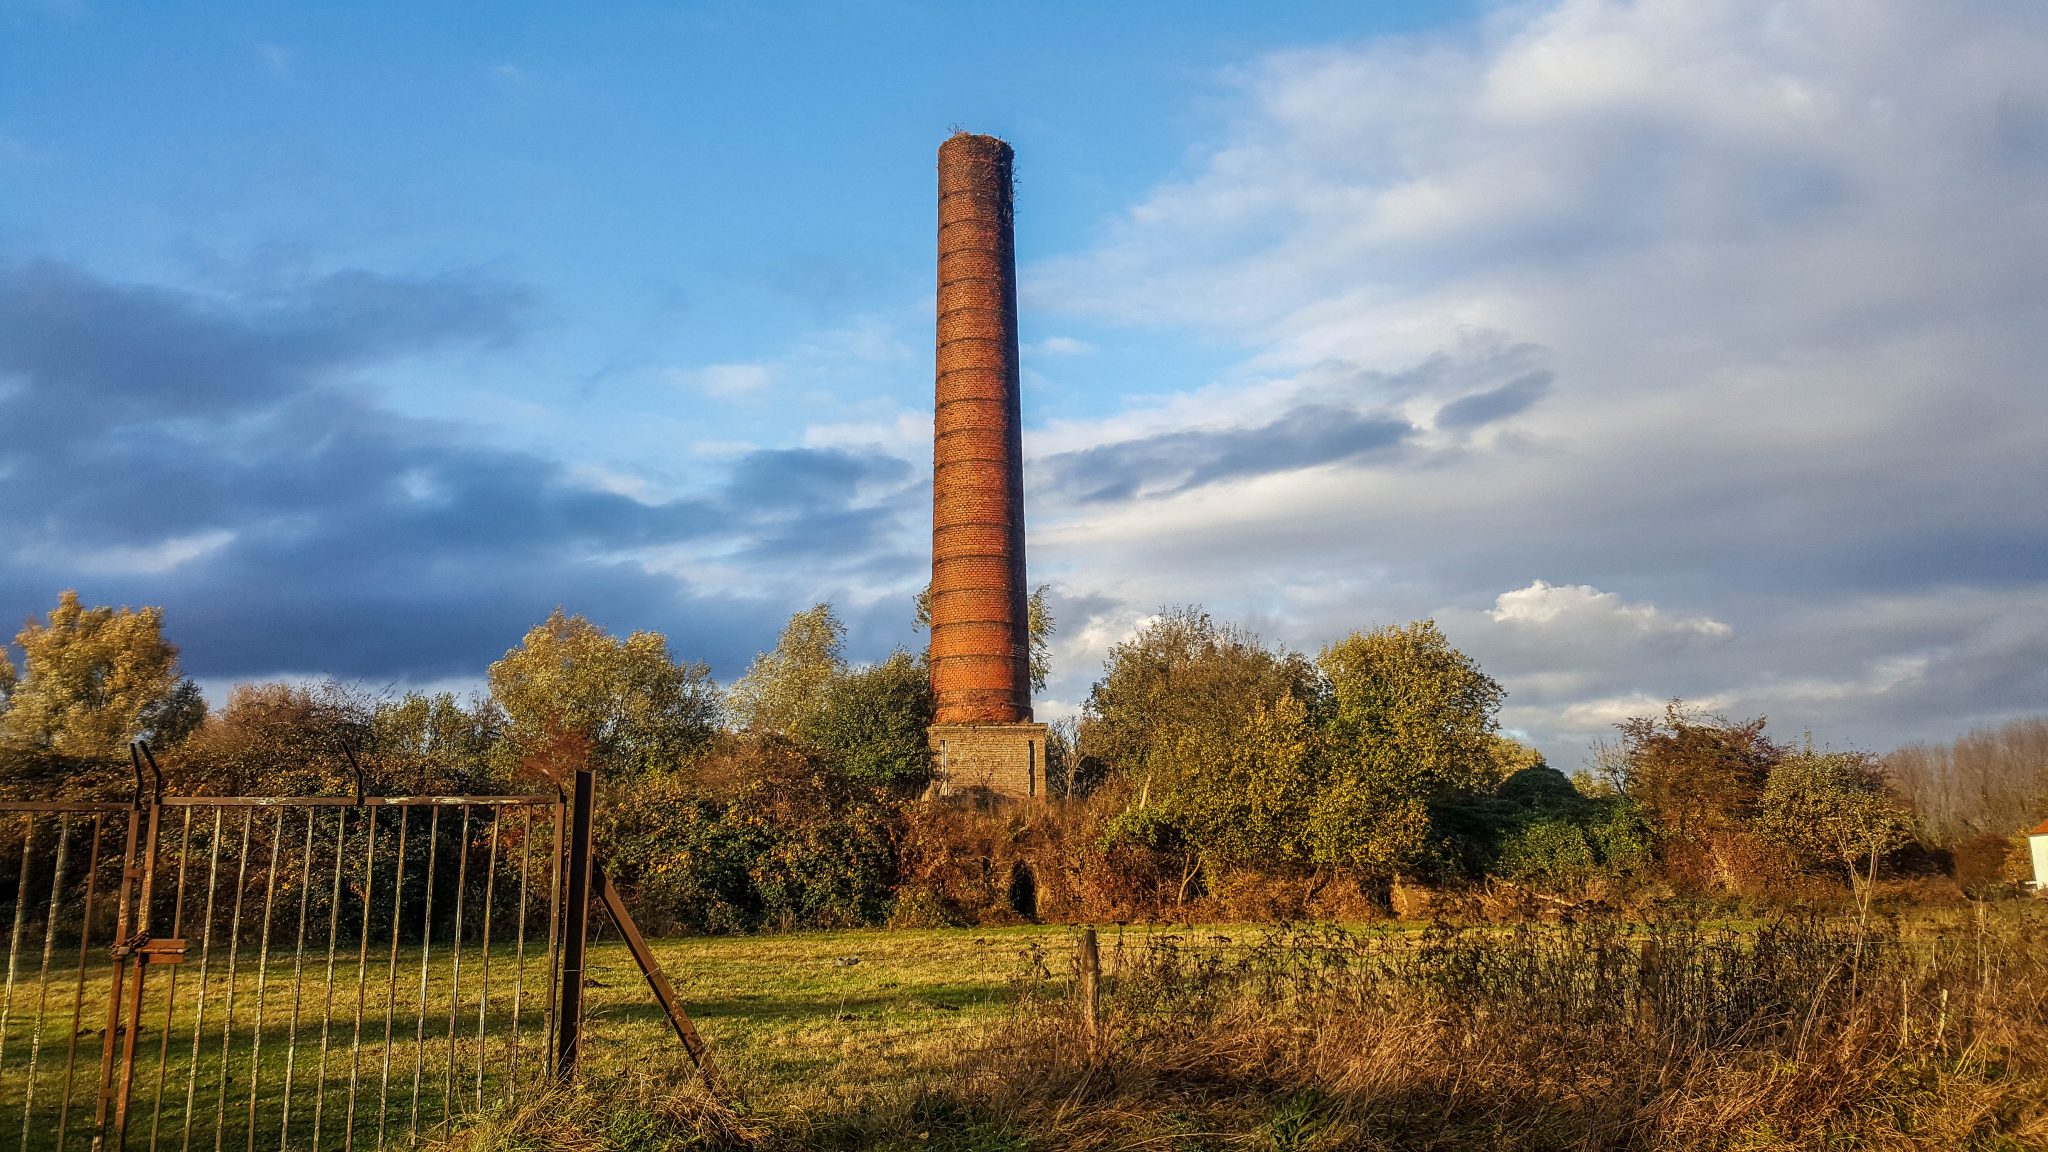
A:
288	972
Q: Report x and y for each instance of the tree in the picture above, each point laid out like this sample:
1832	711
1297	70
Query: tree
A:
278	739
1698	780
623	698
1248	804
1210	734
785	687
1411	724
167	721
92	679
1989	783
873	722
1511	756
436	744
1831	809
759	834
1039	626
1184	684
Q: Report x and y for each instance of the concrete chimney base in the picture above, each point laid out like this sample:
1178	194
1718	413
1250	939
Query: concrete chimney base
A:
997	760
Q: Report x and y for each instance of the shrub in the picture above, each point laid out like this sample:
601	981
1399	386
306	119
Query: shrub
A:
873	721
755	834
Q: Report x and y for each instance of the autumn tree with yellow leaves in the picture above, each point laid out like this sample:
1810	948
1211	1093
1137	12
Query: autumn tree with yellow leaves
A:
623	699
93	679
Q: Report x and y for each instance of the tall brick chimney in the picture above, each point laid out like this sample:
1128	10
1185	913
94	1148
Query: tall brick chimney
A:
980	648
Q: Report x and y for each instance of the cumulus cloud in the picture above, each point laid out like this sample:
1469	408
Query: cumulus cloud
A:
1582	606
1778	280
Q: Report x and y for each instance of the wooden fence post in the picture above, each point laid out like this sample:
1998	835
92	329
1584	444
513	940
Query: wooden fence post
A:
1089	968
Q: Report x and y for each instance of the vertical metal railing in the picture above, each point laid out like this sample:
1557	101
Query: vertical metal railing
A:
55	993
576	905
233	927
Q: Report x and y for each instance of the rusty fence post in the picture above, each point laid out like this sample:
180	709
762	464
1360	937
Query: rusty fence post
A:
657	980
1088	966
111	1112
576	923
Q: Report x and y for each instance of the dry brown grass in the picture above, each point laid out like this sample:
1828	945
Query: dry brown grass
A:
1797	1033
1923	1032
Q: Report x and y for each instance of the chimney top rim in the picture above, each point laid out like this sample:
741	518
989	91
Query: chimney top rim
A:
961	138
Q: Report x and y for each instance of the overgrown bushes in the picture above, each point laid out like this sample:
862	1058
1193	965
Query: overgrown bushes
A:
1681	1033
758	833
1209	774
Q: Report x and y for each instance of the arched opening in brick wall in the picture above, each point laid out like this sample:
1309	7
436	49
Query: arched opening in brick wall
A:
1023	891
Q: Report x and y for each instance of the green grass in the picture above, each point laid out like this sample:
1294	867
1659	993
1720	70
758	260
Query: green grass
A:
886	1039
823	1019
796	1022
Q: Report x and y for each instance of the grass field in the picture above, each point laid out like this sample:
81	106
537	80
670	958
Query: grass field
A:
1912	1034
824	1019
798	1023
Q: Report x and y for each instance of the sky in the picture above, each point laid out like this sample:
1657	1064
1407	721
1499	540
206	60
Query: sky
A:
1661	349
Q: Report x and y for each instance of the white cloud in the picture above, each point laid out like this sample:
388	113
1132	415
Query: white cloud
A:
1565	605
820	362
1783	265
906	434
1059	346
726	381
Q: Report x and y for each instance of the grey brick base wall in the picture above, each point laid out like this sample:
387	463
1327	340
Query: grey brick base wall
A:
1006	760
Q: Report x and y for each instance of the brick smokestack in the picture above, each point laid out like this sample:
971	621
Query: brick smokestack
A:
980	643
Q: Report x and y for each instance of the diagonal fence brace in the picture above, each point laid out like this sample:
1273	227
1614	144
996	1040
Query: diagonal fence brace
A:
693	1041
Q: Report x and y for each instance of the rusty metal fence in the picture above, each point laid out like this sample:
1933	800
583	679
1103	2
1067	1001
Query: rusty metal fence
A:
243	972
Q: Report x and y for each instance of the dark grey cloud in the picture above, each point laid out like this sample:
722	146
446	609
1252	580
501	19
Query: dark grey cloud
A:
134	353
213	456
1307	435
1495	403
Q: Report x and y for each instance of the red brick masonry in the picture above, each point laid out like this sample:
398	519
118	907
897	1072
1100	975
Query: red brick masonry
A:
980	642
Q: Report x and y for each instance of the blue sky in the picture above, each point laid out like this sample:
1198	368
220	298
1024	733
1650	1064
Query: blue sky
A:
1654	348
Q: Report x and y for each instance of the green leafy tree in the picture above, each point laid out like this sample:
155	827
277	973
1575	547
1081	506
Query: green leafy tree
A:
1242	803
1209	733
92	680
1039	625
1411	724
1183	688
1553	836
167	721
437	743
873	721
1248	805
623	699
785	687
1831	809
759	833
